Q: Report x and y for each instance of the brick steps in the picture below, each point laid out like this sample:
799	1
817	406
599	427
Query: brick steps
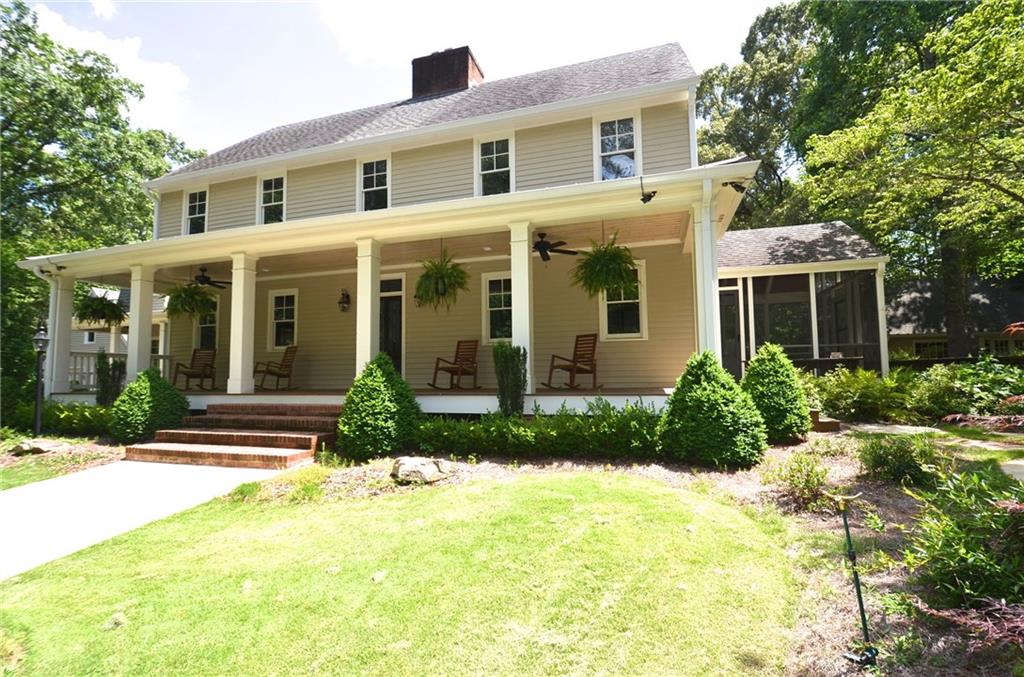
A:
279	439
223	455
292	422
243	409
823	424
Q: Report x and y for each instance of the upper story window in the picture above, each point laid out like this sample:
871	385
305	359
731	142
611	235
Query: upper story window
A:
206	330
283	319
497	307
90	338
624	312
495	168
374	185
617	149
196	218
272	200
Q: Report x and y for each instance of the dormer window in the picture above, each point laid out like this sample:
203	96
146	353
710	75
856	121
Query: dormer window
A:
272	200
617	149
196	219
375	185
495	168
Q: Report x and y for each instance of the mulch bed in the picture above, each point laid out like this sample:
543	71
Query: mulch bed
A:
1000	424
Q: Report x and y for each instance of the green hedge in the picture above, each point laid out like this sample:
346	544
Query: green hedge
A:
147	404
381	415
774	385
710	419
73	419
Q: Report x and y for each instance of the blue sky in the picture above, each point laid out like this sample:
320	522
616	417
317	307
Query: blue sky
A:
217	72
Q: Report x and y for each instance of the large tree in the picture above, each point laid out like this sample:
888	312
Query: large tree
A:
72	171
935	169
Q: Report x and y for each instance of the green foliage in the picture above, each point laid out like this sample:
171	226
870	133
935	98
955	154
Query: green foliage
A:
809	384
149	403
971	388
898	458
606	267
380	416
510	371
967	541
191	300
777	392
710	419
802	477
440	282
109	378
73	419
409	412
863	395
100	310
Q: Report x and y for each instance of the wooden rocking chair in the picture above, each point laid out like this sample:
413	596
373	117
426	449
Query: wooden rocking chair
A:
202	367
279	370
584	361
464	364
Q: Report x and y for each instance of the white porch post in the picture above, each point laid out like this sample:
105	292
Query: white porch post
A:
58	358
883	325
140	321
705	252
367	301
243	321
114	340
813	292
521	247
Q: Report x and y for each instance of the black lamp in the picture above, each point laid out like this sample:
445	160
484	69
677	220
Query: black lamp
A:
344	301
40	341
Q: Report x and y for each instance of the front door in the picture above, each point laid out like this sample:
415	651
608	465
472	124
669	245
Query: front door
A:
729	315
391	320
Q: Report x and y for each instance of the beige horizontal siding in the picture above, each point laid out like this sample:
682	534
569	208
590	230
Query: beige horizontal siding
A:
666	138
169	219
321	190
555	155
231	204
442	172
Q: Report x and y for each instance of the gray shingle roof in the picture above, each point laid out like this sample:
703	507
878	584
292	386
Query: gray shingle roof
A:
807	243
650	66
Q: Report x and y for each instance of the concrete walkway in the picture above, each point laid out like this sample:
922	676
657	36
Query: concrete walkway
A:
46	520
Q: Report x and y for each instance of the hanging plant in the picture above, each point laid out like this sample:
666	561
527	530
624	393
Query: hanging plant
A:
606	266
190	299
99	310
440	282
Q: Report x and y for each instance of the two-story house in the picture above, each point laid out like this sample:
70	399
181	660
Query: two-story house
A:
320	227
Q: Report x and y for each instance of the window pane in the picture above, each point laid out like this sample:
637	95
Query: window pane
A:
607	128
494	286
495	183
487	148
273	213
624	318
607	144
381	166
626	142
617	166
368	181
501	162
501	146
196	224
284	334
486	163
392	285
501	324
375	199
208	337
367	168
626	126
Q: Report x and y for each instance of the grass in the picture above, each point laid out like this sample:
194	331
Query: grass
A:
560	573
43	467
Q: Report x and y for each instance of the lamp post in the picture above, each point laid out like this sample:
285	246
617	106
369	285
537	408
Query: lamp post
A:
40	341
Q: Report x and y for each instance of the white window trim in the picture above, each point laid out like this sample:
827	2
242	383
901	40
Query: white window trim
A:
216	325
638	141
641	271
283	175
184	208
359	179
89	341
485	317
478	174
392	276
270	318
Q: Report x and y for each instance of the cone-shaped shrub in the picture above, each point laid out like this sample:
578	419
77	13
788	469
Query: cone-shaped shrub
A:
380	416
149	403
709	419
410	414
773	384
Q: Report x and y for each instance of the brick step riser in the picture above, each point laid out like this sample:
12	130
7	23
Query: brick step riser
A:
274	409
209	457
310	441
299	423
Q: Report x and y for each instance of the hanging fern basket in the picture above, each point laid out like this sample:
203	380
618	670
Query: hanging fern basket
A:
190	299
99	310
440	282
605	267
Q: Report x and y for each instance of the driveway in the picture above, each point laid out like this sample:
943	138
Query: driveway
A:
45	520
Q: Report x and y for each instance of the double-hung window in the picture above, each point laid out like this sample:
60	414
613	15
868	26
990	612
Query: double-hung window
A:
283	318
495	169
374	185
617	149
196	218
623	311
497	289
206	330
90	338
272	200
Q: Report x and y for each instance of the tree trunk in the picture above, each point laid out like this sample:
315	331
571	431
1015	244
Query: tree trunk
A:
955	297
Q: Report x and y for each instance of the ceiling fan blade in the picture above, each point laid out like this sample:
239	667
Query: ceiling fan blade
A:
215	283
556	245
544	254
221	281
570	252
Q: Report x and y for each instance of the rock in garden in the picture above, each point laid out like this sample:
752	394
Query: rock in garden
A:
36	447
419	470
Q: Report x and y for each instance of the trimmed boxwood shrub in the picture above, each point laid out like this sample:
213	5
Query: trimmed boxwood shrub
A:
149	403
773	384
510	371
710	419
380	416
409	412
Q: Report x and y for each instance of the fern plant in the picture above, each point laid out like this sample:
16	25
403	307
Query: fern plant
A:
440	282
190	299
100	310
606	266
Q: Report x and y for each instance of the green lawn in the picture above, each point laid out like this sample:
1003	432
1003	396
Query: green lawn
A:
35	468
561	573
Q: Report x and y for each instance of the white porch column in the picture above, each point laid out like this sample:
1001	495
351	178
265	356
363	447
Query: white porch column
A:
705	254
114	340
883	325
521	246
243	323
367	301
58	357
140	321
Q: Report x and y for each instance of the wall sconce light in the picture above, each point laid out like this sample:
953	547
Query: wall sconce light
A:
344	301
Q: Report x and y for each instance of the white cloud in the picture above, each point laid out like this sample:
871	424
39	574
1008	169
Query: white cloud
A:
165	83
104	9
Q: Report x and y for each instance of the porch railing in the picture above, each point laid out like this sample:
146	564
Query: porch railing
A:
82	372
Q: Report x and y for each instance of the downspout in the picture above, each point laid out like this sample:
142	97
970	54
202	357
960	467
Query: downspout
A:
691	100
51	320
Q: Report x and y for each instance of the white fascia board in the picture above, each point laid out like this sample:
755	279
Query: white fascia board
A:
519	118
869	263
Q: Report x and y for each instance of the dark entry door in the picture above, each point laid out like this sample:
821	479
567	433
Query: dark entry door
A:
391	329
729	314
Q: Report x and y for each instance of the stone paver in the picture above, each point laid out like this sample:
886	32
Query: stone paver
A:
1014	468
890	428
46	520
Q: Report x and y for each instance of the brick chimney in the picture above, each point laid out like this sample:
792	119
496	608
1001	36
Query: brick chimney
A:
447	71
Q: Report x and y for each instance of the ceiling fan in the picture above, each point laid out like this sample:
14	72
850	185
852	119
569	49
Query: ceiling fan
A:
205	280
545	248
